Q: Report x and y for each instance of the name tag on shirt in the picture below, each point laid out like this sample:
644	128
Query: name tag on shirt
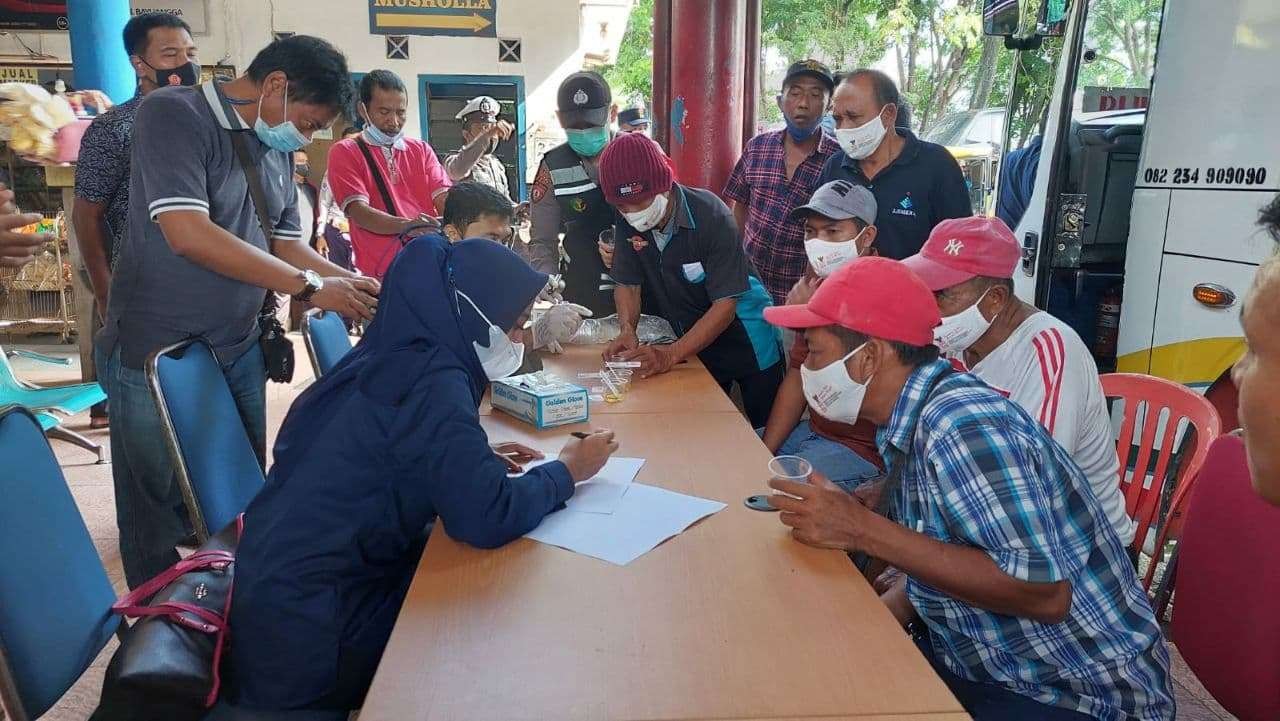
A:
694	273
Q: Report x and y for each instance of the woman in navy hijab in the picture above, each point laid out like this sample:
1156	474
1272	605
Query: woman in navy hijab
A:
366	460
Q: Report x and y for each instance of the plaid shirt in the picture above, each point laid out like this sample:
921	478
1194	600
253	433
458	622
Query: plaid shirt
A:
774	243
976	470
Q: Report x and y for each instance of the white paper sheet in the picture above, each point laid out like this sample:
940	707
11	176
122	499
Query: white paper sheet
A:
603	492
645	517
597	497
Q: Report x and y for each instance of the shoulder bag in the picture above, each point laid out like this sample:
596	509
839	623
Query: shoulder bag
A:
277	351
383	190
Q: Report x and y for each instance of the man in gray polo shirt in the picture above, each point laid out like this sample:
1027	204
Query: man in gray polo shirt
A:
196	263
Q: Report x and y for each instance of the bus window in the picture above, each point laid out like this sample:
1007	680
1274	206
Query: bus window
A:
1119	54
1023	129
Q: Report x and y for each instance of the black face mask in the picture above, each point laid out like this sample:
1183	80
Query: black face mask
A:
303	171
188	75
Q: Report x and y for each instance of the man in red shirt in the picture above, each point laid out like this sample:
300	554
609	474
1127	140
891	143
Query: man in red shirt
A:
410	184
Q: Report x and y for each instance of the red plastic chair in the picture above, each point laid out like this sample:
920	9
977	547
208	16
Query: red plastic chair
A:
1155	395
1225	622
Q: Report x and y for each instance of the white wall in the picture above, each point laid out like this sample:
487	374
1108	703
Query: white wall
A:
554	39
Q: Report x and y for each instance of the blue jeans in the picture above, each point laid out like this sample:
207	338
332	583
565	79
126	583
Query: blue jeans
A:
142	470
834	460
993	702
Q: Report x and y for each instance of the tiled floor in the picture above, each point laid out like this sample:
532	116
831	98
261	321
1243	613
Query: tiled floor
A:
91	485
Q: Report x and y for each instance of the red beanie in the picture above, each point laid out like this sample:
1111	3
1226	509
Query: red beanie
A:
633	169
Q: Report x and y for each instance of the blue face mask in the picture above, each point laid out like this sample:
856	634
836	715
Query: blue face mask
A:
588	143
378	137
284	137
801	134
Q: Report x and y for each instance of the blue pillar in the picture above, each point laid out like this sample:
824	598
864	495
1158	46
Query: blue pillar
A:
97	50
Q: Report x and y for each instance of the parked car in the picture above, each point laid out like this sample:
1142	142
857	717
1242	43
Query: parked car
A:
969	131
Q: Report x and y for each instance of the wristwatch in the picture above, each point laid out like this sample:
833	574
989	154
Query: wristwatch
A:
312	283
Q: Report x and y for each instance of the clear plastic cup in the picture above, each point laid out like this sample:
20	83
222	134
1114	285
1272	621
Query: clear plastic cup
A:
790	468
616	384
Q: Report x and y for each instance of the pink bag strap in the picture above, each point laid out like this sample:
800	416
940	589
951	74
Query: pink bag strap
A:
174	610
196	561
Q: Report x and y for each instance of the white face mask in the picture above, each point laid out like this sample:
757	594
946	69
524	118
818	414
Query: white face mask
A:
860	142
648	218
827	257
503	356
831	392
963	329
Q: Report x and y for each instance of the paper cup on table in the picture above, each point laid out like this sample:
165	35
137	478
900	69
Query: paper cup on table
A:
790	468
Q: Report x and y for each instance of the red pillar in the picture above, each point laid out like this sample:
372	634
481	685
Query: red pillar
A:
660	103
707	70
751	77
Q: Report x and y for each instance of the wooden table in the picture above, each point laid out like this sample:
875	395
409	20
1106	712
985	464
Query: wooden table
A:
731	620
685	388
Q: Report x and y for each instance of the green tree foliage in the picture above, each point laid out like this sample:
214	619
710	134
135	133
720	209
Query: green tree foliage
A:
632	74
932	42
1123	32
844	34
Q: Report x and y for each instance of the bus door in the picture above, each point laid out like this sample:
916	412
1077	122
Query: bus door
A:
1088	132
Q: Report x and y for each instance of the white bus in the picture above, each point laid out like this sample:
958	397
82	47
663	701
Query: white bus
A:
1151	208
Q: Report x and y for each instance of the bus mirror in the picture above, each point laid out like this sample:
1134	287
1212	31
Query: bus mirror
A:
1001	17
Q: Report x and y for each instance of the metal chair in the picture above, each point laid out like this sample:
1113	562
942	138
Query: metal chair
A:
51	405
217	468
1224	619
55	597
325	336
1163	406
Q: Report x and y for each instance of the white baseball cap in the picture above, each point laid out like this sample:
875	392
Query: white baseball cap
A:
481	104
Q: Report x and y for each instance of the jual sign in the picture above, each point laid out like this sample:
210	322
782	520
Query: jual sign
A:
455	18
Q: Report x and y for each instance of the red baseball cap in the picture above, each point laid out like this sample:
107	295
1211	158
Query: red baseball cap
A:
874	296
962	248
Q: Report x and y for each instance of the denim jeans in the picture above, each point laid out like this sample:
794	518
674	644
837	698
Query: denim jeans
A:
836	461
142	470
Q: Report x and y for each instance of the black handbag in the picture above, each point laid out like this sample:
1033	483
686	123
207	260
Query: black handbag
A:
167	666
277	352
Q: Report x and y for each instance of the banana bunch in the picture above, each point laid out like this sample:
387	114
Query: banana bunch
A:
33	117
